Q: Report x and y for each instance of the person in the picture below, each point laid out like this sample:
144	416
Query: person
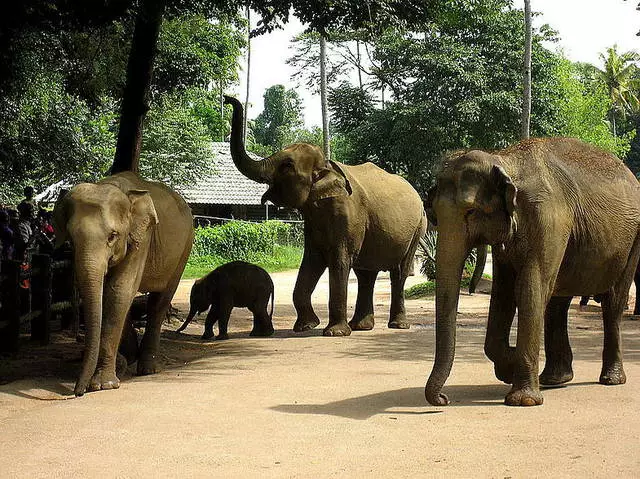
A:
29	199
25	231
7	236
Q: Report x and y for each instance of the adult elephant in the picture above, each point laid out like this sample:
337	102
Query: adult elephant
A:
563	219
128	235
358	217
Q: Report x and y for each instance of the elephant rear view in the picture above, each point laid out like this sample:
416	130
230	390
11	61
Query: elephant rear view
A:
236	284
128	235
355	217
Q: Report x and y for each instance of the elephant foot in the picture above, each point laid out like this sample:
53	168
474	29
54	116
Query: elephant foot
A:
523	397
305	324
262	331
103	380
613	375
207	335
340	329
554	376
146	366
365	323
399	322
220	337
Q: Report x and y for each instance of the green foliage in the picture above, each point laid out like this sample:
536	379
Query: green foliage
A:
428	288
192	51
583	109
238	240
274	245
427	247
281	115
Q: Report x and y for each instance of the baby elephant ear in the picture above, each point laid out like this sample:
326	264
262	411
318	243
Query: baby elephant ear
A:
143	216
505	185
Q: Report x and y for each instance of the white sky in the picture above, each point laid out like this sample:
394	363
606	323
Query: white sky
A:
586	28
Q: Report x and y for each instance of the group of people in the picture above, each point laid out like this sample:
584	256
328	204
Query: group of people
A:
25	228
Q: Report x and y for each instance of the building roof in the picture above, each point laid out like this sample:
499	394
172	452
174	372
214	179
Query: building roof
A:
225	185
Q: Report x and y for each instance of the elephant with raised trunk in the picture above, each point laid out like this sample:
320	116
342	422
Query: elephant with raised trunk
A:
128	235
358	217
563	219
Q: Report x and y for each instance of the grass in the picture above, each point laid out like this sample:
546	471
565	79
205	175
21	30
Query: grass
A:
428	288
284	258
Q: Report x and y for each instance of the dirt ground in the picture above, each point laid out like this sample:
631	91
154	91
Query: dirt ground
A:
302	405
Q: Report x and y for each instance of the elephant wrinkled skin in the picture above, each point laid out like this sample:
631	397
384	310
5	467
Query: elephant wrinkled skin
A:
358	217
563	219
128	235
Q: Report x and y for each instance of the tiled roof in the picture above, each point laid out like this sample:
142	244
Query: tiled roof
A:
225	185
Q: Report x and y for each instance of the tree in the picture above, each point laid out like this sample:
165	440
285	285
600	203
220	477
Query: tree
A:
526	72
246	99
281	115
323	98
623	87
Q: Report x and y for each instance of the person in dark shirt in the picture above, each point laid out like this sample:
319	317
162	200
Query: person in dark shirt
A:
7	237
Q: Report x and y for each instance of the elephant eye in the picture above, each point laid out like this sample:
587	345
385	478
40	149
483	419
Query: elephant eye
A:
112	237
469	212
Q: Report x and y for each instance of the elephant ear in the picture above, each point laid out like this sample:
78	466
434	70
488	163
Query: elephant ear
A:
61	213
509	193
329	182
143	216
428	205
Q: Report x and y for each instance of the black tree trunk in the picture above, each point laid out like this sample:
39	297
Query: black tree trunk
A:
135	101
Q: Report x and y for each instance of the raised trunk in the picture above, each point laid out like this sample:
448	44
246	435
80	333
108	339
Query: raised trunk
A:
450	256
90	279
260	171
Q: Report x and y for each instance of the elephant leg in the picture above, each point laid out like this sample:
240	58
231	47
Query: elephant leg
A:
363	317
502	310
119	293
311	268
338	281
397	314
613	305
225	309
636	282
533	291
157	307
262	325
212	318
557	367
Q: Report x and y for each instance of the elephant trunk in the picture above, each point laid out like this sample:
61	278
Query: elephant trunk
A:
192	312
260	171
451	253
90	279
481	261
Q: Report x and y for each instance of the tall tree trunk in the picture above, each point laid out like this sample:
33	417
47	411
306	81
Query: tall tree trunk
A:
323	97
221	105
382	96
526	93
359	64
246	100
135	101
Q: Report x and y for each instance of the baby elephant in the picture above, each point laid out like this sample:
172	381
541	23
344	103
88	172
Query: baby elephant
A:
235	284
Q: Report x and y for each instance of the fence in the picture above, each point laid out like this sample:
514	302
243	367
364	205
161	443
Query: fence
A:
36	293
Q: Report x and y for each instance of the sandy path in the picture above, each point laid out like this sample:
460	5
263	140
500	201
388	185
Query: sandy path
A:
309	406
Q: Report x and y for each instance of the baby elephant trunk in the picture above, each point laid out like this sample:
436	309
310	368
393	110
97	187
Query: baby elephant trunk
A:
192	312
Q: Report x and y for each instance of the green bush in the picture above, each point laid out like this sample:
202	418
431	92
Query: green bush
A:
239	240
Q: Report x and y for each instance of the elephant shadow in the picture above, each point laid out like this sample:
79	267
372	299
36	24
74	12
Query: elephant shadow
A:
400	401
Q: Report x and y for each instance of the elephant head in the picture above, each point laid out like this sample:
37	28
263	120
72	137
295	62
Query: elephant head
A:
474	204
202	293
296	175
104	225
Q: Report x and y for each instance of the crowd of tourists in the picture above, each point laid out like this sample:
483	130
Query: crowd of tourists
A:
25	228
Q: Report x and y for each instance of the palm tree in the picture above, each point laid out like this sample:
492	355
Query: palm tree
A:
620	78
323	97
